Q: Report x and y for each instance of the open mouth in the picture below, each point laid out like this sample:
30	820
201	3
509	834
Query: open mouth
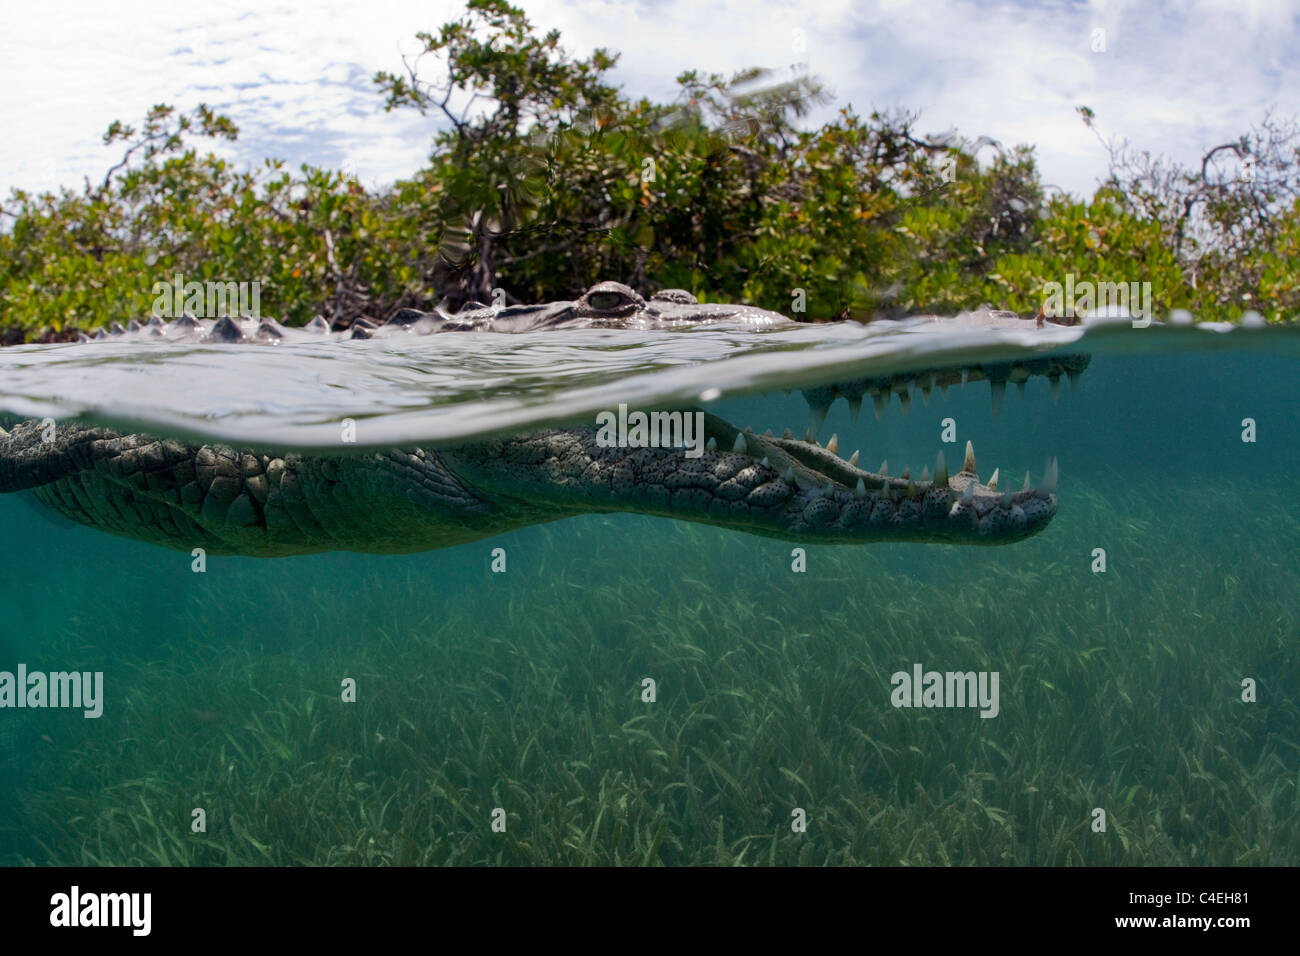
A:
997	374
823	494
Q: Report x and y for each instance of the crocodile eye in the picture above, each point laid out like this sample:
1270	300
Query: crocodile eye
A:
605	301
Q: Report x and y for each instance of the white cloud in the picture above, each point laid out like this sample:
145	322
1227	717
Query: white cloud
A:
1174	78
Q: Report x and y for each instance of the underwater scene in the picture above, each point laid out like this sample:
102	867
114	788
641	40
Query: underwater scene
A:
813	663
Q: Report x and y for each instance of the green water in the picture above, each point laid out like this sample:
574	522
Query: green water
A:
1119	691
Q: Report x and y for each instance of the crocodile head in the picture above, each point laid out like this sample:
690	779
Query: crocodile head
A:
614	305
604	305
778	487
413	499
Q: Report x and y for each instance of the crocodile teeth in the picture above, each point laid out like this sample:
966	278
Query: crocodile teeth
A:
1049	478
815	419
1056	389
860	489
740	447
925	395
943	391
765	463
941	471
788	435
1074	379
1027	486
882	402
833	445
884	469
907	474
853	458
968	465
829	490
1006	499
788	477
768	434
855	406
1020	386
711	445
993	482
999	390
925	473
969	493
905	400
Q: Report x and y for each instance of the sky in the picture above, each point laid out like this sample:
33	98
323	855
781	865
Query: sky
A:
1174	78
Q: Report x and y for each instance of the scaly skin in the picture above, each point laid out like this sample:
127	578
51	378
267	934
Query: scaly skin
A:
230	501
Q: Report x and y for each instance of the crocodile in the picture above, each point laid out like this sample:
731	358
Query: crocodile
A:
264	503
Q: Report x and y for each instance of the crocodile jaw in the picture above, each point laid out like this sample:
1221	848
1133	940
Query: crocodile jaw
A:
759	484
